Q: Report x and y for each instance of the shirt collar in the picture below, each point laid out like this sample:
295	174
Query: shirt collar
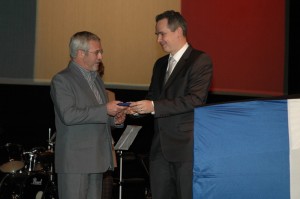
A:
89	75
179	54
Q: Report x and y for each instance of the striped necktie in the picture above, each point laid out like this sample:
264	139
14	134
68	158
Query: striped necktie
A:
171	65
93	87
96	92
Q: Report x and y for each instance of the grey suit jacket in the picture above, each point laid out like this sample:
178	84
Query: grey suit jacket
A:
83	138
174	103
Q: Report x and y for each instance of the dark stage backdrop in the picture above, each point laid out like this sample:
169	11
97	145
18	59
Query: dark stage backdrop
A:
17	30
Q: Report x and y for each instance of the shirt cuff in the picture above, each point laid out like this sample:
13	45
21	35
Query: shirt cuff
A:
153	112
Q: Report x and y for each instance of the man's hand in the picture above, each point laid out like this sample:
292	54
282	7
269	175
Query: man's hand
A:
113	109
142	107
120	117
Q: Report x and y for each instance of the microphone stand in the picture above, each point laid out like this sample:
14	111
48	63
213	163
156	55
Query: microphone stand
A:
120	153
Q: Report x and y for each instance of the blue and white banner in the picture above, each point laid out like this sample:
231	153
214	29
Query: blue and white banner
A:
247	150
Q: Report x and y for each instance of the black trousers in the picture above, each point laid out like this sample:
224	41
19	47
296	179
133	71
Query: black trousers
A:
170	180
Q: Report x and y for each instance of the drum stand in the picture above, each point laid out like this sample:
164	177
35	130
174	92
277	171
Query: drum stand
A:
31	161
50	149
52	188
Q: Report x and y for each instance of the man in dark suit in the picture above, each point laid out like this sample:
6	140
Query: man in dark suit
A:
83	117
172	99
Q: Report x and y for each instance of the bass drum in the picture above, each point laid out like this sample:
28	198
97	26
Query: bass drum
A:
28	186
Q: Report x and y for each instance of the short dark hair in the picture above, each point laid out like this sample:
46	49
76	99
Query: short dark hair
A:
175	20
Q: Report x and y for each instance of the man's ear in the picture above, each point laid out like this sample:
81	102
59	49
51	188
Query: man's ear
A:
179	31
80	53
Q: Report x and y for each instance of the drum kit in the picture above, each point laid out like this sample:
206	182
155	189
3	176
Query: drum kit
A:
27	174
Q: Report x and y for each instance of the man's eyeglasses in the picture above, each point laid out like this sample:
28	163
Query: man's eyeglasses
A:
97	52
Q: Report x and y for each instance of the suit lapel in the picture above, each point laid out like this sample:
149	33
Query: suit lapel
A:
163	70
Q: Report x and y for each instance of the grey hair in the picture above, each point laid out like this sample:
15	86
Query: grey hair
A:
79	41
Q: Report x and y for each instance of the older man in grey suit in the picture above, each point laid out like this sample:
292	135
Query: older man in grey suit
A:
83	117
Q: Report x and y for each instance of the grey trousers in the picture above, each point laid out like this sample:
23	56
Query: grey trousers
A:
80	186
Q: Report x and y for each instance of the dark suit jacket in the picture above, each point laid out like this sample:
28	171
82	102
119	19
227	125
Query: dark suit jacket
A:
174	103
83	138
